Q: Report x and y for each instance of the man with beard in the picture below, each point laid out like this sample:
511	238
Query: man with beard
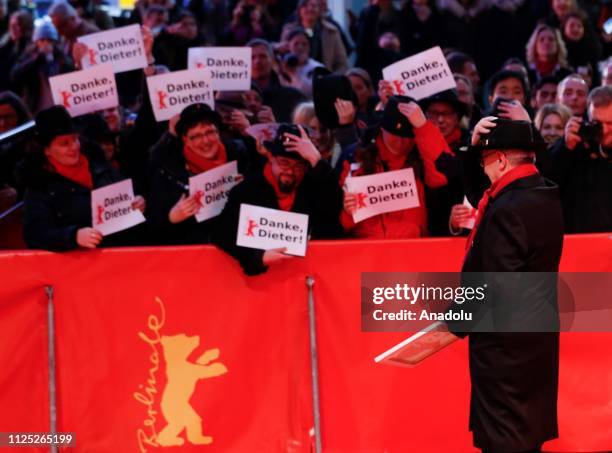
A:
295	179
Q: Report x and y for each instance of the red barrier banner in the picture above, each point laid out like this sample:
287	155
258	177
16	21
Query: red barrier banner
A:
174	349
24	396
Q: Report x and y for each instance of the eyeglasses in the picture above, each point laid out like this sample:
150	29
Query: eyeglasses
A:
209	134
291	164
432	114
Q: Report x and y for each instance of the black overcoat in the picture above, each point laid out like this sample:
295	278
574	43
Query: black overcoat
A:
514	375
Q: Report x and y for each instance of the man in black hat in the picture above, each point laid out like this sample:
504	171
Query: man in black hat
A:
518	231
294	179
193	147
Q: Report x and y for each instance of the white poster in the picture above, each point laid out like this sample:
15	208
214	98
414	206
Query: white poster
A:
265	229
420	75
470	221
383	192
170	93
211	189
230	67
85	91
111	208
123	48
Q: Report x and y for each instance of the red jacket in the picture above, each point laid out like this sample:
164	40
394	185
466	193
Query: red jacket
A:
408	223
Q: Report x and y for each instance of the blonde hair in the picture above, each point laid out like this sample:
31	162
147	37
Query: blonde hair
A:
552	109
304	113
532	57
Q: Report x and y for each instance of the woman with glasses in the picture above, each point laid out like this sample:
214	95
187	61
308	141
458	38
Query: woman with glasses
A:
193	146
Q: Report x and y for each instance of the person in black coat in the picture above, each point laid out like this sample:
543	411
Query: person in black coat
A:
59	175
196	147
514	358
581	164
295	179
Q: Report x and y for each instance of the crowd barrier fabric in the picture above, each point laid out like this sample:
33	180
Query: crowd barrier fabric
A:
173	349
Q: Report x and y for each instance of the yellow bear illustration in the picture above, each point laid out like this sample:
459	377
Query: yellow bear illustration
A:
182	377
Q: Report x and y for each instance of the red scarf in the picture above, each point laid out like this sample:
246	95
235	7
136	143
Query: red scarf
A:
545	68
197	164
78	173
394	161
285	200
522	171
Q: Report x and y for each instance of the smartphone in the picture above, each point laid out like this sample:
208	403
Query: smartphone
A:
608	26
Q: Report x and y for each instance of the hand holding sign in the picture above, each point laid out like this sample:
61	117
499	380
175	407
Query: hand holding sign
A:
350	202
184	208
385	91
420	75
139	203
459	214
274	256
88	238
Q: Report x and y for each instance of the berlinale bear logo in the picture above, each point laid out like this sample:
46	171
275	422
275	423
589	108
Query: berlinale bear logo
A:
182	375
182	378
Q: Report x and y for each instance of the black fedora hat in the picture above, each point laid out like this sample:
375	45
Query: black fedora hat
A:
510	134
53	122
277	145
194	114
326	87
393	121
448	97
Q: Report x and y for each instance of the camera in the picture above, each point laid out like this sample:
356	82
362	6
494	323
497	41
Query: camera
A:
495	107
591	132
291	60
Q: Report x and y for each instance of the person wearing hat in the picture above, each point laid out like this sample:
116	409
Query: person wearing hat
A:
514	361
404	139
192	147
59	174
295	178
40	61
445	110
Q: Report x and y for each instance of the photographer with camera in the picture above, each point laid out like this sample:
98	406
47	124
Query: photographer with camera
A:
580	163
297	66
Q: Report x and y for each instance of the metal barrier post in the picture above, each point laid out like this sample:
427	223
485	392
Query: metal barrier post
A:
51	364
314	364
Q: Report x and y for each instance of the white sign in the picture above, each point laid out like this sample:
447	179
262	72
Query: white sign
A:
471	220
211	188
420	75
170	93
111	208
263	132
265	229
383	192
230	67
85	91
122	47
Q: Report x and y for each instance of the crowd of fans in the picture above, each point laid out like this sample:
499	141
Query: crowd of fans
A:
546	61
